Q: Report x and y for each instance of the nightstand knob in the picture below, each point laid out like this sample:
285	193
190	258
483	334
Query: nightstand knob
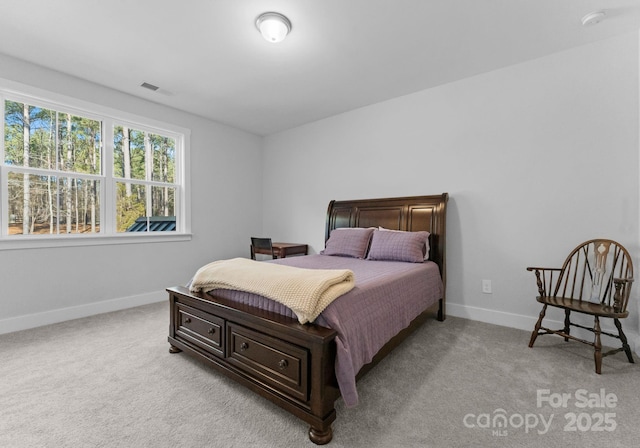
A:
187	320
283	364
244	346
212	330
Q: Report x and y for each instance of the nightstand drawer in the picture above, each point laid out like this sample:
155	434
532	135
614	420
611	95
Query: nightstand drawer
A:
201	328
282	365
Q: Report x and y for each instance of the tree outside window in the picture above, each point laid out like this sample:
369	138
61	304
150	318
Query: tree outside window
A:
55	181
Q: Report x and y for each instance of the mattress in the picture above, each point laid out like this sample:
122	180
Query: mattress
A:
387	296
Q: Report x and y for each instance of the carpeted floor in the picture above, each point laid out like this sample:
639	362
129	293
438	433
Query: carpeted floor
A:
109	381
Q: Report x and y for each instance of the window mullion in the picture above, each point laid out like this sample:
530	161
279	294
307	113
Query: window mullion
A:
4	183
179	180
148	176
56	166
108	191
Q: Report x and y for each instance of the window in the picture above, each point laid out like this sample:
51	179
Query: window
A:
70	173
144	168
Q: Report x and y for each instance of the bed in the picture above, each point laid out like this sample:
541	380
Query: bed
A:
301	367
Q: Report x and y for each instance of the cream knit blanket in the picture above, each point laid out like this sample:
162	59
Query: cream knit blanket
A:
306	291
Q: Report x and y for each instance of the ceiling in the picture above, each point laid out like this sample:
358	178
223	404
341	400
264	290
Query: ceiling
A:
208	58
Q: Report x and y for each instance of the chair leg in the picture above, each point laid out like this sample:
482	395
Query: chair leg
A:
567	323
597	344
623	338
536	329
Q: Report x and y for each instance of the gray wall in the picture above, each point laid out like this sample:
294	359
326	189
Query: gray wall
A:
536	157
41	286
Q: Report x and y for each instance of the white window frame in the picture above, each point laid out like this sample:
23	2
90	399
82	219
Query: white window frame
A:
109	117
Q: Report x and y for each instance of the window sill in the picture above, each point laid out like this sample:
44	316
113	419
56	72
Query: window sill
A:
34	242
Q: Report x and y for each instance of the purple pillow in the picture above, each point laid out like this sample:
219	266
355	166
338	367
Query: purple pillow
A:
348	242
398	246
425	248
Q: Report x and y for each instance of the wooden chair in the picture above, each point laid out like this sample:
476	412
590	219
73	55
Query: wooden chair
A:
262	246
595	280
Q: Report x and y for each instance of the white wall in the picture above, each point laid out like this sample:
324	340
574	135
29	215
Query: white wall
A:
40	286
536	157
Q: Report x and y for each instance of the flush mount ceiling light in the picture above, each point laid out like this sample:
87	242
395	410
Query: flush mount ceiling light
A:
593	18
274	27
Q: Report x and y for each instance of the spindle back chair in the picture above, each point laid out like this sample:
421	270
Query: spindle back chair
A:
595	280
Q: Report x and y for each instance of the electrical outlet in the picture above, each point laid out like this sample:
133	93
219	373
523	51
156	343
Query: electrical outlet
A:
486	286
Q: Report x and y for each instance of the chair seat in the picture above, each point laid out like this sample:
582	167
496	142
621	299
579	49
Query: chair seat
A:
582	306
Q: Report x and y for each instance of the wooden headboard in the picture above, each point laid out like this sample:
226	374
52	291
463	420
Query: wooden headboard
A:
411	213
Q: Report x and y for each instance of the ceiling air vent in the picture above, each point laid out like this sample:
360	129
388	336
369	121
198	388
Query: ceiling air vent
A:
146	85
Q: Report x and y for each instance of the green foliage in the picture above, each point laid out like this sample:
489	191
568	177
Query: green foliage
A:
69	146
129	207
55	140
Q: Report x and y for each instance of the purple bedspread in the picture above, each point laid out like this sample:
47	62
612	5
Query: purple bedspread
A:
387	296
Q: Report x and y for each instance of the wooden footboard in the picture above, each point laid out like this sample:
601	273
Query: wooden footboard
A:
288	363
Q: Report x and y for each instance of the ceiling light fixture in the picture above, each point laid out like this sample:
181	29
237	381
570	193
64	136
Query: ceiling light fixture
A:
273	26
593	18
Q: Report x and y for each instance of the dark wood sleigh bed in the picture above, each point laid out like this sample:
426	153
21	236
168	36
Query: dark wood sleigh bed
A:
292	364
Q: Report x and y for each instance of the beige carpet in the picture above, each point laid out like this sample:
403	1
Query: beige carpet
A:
109	381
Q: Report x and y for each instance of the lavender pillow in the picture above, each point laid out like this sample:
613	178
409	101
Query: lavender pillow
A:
398	246
348	242
425	248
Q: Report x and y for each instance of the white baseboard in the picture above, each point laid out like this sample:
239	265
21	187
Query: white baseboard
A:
504	319
492	316
28	321
527	323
